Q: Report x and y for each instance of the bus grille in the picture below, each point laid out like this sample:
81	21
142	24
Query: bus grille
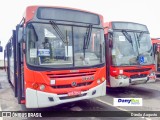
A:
69	85
138	76
75	74
138	70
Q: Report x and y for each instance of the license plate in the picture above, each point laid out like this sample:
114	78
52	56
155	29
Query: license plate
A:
136	80
74	93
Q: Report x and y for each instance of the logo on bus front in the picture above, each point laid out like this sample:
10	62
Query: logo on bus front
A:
74	84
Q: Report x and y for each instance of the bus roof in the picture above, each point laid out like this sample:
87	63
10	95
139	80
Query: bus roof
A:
30	11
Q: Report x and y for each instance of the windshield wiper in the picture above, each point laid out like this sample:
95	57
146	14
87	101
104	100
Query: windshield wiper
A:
60	34
87	38
149	50
130	41
139	37
127	36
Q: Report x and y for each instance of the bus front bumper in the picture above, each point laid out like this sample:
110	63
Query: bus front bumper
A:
128	81
39	99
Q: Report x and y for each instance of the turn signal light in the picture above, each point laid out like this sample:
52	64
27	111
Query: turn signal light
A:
152	74
103	79
35	85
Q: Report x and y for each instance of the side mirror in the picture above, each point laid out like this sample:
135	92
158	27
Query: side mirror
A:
155	46
19	33
110	34
110	31
110	37
1	49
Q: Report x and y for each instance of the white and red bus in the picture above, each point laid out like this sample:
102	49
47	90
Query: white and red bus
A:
129	54
57	55
156	50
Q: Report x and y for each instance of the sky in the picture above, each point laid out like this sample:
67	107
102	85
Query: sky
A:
141	11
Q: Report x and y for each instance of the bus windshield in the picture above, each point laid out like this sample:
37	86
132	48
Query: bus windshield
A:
56	45
128	46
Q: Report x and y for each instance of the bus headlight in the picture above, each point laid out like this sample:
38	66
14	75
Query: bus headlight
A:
98	81
42	87
121	77
152	74
118	77
124	77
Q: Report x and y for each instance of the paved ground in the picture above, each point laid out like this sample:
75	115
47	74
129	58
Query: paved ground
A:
150	93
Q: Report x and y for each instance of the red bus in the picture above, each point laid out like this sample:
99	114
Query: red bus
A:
57	55
129	54
156	50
